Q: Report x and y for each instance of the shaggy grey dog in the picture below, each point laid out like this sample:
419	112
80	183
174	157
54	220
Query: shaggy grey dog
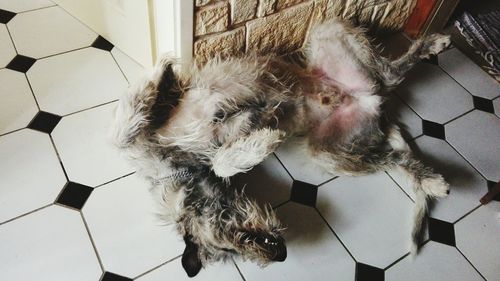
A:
187	132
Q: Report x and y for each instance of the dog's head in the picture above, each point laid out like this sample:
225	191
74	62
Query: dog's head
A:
242	228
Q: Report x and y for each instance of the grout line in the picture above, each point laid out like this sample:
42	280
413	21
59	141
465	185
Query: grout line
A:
331	229
156	267
282	165
398	95
41	8
33	94
397	260
327	181
455	118
238	268
281	204
453	78
407	254
65	52
59	158
119	67
466	160
25	214
108	182
11	39
92	241
456	247
400	187
468	213
13	131
88	108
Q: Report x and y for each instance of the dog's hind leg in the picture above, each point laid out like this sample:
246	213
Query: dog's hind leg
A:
333	42
392	72
426	183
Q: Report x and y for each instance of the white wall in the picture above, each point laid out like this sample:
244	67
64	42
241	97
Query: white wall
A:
143	29
126	23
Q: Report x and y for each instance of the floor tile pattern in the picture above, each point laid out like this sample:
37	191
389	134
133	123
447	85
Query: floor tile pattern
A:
71	208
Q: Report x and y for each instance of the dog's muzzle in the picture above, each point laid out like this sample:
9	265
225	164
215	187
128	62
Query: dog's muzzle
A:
275	246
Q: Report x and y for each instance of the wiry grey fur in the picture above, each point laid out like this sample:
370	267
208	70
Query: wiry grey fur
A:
188	132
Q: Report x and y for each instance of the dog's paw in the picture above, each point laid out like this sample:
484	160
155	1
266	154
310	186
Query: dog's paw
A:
434	44
435	187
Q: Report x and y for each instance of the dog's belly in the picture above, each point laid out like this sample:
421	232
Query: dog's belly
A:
340	112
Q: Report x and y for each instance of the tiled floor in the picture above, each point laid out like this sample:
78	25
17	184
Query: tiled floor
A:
72	209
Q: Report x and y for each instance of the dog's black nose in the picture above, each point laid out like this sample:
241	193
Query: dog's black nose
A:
280	251
280	254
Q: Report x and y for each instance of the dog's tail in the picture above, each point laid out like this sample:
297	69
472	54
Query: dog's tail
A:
419	215
427	185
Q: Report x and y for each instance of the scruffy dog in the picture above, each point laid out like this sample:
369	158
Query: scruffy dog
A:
187	132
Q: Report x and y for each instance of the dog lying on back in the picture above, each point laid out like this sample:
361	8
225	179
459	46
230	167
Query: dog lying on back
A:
187	132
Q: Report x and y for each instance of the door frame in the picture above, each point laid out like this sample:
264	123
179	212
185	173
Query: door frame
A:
169	17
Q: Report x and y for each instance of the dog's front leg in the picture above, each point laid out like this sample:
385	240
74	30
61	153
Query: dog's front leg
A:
246	152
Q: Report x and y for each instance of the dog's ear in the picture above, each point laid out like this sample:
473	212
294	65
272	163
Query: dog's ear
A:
167	86
190	259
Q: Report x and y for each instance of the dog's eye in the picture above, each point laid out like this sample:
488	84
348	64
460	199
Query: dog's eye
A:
219	116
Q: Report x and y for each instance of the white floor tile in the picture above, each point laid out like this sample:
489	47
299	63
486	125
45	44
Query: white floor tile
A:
50	244
468	74
295	156
477	236
475	135
17	106
49	31
76	80
466	185
30	173
370	214
83	143
174	271
267	183
435	262
433	94
496	106
7	51
409	121
132	69
18	6
314	253
128	237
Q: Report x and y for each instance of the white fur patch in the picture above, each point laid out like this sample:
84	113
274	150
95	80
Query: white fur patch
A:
396	140
370	104
246	152
435	187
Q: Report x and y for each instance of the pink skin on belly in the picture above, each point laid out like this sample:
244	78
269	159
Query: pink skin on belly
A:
337	122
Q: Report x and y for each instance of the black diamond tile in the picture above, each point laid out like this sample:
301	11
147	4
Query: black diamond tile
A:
74	195
441	231
304	193
103	44
6	16
433	129
366	272
433	59
490	186
483	104
21	63
108	276
44	122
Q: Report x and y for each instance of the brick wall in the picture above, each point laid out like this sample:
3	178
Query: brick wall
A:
232	27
